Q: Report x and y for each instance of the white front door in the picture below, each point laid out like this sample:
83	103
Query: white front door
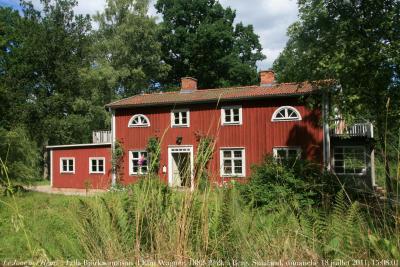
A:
180	166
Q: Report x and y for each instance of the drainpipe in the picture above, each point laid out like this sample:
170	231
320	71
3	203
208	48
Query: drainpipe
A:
326	137
113	137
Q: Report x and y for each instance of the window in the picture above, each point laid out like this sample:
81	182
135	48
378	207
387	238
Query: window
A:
231	115
232	162
139	120
67	165
180	118
349	160
285	153
138	163
286	113
96	165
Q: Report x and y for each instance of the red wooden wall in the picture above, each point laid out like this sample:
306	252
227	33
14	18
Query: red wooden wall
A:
257	134
81	175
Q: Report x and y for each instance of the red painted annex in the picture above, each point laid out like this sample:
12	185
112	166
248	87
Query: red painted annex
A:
79	174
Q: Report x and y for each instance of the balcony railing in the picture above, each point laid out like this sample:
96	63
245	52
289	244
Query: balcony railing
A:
364	129
100	137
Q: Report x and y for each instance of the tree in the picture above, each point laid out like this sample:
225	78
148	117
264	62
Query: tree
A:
126	52
357	43
43	55
199	39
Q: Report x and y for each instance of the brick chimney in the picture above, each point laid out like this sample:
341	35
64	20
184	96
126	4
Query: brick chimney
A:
267	78
188	84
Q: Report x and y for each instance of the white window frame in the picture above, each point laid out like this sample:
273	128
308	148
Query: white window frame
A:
68	159
278	110
140	171
231	108
143	125
364	170
286	149
180	118
221	160
97	159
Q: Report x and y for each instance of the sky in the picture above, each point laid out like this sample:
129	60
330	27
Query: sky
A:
270	19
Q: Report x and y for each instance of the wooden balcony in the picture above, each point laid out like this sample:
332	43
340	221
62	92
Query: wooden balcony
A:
100	137
364	129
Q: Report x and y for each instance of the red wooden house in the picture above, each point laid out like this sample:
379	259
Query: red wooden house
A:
246	123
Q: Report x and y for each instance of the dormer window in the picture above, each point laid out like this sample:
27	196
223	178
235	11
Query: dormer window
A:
180	118
231	115
139	120
286	113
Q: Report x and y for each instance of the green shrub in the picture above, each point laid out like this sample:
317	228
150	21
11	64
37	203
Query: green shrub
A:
19	153
301	183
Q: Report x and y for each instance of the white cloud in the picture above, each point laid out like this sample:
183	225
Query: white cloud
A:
270	19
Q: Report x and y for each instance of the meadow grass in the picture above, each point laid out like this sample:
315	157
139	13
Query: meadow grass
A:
150	221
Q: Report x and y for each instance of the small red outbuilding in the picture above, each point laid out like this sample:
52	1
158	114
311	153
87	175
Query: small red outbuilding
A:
82	166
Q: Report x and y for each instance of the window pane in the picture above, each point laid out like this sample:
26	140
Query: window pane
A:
281	114
71	167
227	116
135	169
238	170
101	168
227	167
135	155
237	163
64	165
292	153
281	153
227	154
184	120
144	169
237	153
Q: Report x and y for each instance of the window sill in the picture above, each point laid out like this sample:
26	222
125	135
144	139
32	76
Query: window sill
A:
230	124
97	173
275	120
67	172
233	176
180	126
137	126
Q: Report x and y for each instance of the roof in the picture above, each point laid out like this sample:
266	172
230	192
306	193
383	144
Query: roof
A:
221	94
78	145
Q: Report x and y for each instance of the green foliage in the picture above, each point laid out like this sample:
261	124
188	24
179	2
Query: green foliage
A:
205	150
200	39
126	53
356	43
154	151
117	155
299	183
19	154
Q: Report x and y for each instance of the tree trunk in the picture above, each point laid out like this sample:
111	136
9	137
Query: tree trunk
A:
45	160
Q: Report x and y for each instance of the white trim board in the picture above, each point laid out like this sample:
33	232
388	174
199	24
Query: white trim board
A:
51	168
79	145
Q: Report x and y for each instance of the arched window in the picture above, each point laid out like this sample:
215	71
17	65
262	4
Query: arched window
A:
286	113
139	120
